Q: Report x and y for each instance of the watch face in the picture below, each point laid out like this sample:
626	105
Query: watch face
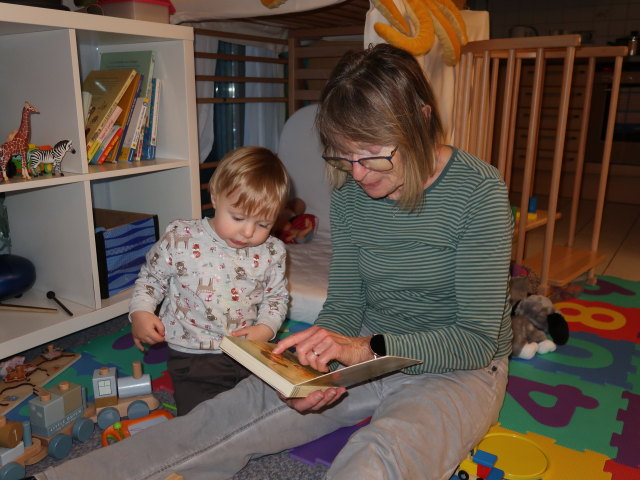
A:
377	345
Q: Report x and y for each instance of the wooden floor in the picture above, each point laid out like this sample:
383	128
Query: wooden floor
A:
619	236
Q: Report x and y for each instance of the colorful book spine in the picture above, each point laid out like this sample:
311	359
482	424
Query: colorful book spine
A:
151	130
109	147
115	153
106	130
156	115
133	132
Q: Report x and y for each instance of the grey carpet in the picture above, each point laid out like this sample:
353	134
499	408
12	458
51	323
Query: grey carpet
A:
272	467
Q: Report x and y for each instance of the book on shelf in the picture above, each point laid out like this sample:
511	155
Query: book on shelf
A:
106	150
126	103
106	88
132	136
142	61
99	142
151	130
285	374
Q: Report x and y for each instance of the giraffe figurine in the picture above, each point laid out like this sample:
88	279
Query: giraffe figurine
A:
18	144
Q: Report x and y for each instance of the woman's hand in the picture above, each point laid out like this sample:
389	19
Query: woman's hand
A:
146	328
317	346
316	401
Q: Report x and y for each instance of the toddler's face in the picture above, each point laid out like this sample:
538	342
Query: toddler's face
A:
235	227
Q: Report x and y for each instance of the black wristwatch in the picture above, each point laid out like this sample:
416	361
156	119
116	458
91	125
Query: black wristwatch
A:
377	346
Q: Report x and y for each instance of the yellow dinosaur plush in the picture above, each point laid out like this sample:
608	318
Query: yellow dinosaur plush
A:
429	19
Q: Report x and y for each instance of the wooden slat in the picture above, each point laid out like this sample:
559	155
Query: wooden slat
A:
239	36
220	78
242	100
311	33
566	264
324	51
313	73
312	95
239	58
207	165
532	43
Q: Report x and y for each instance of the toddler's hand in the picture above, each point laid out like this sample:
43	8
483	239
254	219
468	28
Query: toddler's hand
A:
146	328
259	333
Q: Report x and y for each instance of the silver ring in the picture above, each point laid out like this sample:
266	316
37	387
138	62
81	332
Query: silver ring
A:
315	353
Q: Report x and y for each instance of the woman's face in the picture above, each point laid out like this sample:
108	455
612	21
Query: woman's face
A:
387	184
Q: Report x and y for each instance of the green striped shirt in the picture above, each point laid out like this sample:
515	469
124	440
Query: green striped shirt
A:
435	281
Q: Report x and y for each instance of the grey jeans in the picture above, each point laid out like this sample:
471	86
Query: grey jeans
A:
421	427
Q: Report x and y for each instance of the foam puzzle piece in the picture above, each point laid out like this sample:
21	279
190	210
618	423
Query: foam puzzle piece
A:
118	349
577	414
591	358
564	463
602	319
325	449
621	472
628	441
163	382
614	290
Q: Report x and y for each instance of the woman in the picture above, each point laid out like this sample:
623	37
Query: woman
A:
421	238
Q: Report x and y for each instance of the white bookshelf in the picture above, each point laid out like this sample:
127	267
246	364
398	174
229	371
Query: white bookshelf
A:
44	55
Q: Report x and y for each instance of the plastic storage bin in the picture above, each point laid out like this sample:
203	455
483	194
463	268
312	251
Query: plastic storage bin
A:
149	10
122	241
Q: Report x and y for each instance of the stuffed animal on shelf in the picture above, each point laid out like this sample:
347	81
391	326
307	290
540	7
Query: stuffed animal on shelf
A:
293	225
532	317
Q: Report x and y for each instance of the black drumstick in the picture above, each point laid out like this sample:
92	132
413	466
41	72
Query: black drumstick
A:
52	295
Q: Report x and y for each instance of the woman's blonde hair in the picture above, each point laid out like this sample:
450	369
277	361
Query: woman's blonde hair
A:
258	178
380	96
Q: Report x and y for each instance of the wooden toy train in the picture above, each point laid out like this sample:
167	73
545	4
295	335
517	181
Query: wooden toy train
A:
60	414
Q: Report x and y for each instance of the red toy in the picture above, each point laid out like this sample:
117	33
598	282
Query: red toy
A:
125	428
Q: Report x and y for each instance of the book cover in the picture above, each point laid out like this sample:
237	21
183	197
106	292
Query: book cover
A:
285	374
142	61
103	144
156	116
151	130
126	103
106	88
110	146
133	131
99	142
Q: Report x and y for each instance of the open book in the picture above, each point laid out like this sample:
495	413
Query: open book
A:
284	373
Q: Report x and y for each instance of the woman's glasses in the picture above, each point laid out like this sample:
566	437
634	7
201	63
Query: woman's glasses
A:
377	164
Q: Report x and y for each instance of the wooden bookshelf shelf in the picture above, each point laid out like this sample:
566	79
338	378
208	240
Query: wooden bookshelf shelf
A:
50	218
566	264
541	220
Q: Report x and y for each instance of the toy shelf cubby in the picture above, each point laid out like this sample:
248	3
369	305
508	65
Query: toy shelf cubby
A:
45	54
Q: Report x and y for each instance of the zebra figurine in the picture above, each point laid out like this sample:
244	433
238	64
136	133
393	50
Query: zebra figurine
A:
55	156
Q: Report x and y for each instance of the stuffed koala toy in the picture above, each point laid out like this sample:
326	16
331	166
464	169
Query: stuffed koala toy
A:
532	317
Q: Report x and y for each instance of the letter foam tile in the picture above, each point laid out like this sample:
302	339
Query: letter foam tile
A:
621	472
602	319
615	291
577	414
118	348
592	358
628	441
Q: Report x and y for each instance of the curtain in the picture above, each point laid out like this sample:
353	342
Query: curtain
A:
228	125
263	121
205	66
